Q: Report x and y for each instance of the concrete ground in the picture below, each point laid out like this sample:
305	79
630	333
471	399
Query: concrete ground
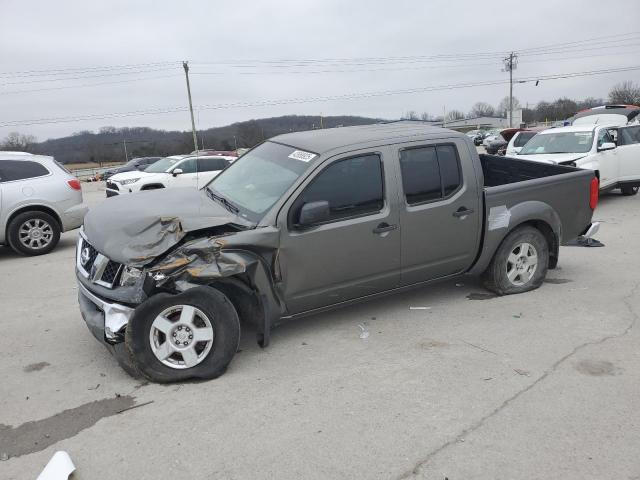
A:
531	386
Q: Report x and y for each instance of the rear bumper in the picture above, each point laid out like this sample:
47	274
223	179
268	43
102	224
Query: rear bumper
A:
73	217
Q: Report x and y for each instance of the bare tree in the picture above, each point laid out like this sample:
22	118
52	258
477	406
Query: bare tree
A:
18	141
410	115
454	115
482	109
424	116
503	106
627	93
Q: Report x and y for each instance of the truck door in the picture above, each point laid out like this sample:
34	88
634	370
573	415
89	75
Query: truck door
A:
440	212
356	251
629	153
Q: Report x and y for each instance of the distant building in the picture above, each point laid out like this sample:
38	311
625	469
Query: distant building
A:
477	123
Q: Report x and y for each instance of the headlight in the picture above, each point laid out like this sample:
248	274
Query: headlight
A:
128	181
129	276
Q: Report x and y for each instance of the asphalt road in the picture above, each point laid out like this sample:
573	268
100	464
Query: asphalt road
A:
539	385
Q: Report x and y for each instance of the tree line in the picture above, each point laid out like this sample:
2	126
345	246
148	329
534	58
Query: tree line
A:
627	93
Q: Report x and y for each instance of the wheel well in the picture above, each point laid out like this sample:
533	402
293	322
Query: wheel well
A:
550	236
243	298
33	208
152	186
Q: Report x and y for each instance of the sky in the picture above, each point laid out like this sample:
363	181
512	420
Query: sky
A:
79	60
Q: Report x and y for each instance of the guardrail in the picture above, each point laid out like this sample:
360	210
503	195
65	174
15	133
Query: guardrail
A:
89	174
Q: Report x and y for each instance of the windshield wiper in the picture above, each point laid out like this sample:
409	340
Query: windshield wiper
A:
230	206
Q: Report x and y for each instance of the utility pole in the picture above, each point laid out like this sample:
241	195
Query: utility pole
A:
185	65
510	63
126	157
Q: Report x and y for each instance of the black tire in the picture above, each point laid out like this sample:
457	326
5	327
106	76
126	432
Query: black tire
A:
226	336
16	230
496	278
628	190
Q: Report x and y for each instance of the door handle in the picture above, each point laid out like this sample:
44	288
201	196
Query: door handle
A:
462	212
384	227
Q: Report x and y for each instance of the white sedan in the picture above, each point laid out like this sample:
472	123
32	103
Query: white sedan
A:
176	171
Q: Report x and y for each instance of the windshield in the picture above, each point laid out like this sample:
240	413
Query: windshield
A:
162	165
255	181
561	142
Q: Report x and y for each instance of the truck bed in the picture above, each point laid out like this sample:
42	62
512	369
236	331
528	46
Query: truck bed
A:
519	191
499	170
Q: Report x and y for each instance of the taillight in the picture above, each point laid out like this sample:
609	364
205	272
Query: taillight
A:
75	184
593	193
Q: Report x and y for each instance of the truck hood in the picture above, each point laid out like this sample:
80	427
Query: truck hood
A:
554	158
135	229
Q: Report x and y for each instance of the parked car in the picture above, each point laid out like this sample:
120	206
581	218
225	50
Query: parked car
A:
314	220
176	171
593	147
39	199
518	140
607	114
132	165
490	136
476	136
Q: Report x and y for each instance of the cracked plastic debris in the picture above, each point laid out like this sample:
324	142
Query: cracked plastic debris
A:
364	331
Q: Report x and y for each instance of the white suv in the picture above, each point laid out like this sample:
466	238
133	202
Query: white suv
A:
176	171
39	199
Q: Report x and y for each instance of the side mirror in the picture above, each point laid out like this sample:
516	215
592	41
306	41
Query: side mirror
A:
313	212
176	171
607	146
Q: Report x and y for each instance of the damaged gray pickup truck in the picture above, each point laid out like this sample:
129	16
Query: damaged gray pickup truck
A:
310	221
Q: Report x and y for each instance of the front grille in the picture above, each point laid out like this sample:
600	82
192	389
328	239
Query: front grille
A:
93	253
112	185
95	266
110	272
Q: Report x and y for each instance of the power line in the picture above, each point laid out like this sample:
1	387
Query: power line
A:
114	74
300	100
46	89
79	70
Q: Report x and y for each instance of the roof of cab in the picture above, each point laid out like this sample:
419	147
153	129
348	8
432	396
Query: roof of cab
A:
362	136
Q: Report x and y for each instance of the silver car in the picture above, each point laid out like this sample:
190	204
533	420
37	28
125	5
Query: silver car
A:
39	199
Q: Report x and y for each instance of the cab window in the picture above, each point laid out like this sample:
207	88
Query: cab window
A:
353	187
429	173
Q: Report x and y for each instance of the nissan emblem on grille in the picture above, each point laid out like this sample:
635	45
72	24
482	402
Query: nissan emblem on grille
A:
85	256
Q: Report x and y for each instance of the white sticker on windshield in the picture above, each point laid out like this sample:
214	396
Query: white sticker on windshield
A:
499	217
303	156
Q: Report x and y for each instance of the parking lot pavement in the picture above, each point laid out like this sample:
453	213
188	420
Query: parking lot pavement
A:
538	385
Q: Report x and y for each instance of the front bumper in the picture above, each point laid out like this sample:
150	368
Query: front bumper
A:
105	320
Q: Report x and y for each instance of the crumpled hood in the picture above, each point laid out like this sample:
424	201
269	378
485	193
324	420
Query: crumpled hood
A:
135	229
554	158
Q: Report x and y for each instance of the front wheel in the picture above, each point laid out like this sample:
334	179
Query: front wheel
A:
520	264
194	334
628	190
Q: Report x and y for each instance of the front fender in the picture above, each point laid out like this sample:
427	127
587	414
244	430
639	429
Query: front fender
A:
206	261
496	229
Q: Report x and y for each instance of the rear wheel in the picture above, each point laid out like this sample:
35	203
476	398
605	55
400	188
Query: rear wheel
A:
194	334
628	190
33	233
520	263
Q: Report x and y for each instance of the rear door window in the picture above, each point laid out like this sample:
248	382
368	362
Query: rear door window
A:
353	187
629	135
212	164
430	173
11	170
